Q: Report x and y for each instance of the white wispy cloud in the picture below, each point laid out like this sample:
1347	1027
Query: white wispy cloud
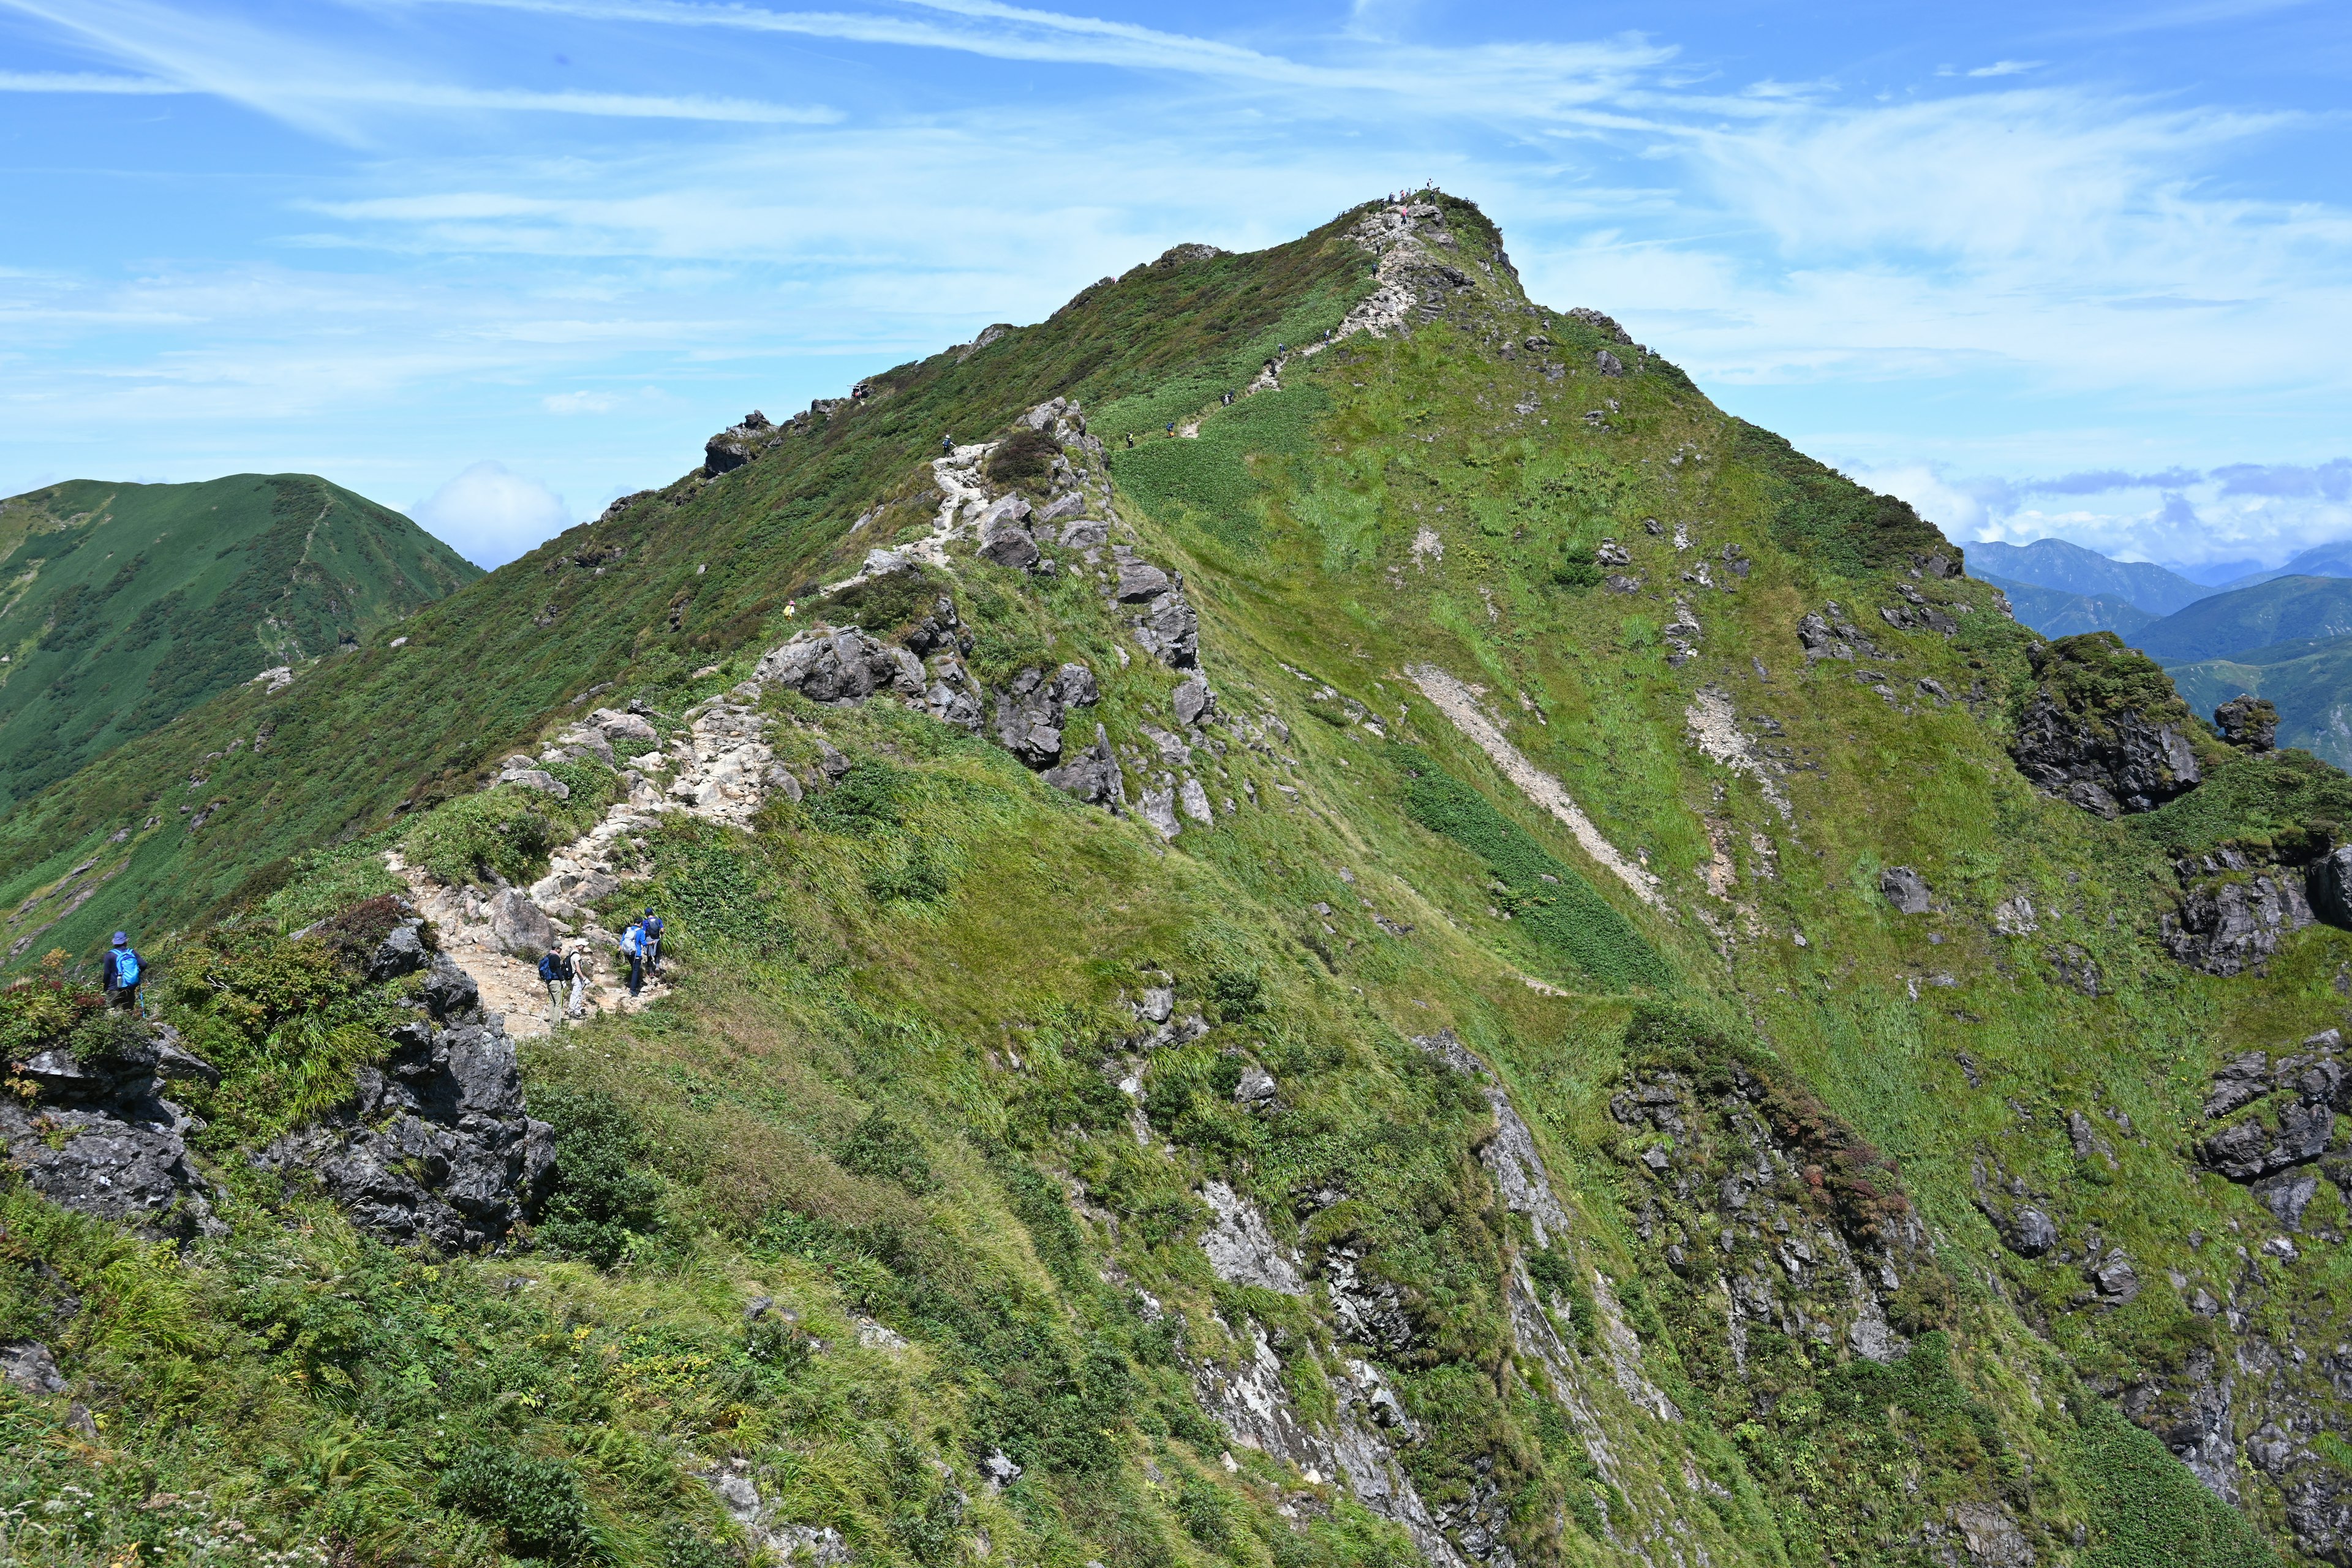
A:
84	81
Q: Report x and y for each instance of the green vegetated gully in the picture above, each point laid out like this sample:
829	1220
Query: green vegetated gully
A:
1374	1171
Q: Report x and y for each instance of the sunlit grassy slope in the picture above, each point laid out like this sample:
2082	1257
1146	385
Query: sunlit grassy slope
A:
898	1085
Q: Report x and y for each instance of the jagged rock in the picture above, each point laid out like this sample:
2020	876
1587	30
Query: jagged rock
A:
1157	807
615	725
1069	503
841	666
1904	888
26	1366
2114	1279
2248	1150
98	1136
1004	536
1194	703
1992	1536
1093	776
1609	552
435	1144
1086	533
1169	630
1140	581
2028	1232
1607	363
538	779
1255	1088
942	631
520	927
2234	915
1241	1248
736	444
2109	754
1031	711
1368	1310
999	1470
770	1536
1193	801
2248	721
2328	885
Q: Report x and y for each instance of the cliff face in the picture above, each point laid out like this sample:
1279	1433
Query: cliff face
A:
1314	917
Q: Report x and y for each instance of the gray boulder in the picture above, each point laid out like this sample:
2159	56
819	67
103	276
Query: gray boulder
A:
2328	885
520	927
1004	535
1904	888
2233	914
26	1366
615	725
2029	1233
1030	712
1140	581
1169	630
1093	776
1195	702
1086	533
841	666
96	1135
2249	722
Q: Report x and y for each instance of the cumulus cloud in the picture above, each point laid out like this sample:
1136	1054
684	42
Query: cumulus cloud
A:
491	514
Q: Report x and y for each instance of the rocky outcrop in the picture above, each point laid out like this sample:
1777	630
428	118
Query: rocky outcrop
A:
2233	912
738	445
2104	729
2249	722
2328	885
1904	888
2125	763
435	1144
1165	622
1093	776
1032	710
96	1135
2277	1115
839	666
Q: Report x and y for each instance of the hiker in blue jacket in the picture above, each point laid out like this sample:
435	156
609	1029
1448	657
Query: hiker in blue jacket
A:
121	972
632	948
652	926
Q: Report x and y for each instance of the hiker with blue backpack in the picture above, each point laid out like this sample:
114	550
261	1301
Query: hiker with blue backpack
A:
652	926
632	948
121	972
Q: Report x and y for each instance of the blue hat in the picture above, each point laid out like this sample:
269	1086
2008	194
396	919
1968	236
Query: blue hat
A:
122	939
649	908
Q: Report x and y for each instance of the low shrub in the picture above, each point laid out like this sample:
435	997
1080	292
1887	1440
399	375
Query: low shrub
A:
536	1503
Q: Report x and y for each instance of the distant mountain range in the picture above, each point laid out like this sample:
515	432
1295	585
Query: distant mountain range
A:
2285	634
2069	568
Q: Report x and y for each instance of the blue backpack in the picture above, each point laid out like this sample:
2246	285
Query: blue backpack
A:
126	968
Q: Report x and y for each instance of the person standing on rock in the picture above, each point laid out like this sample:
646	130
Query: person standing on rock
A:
652	926
632	948
555	973
121	972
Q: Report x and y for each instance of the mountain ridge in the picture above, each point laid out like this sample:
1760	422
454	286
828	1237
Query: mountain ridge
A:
1465	959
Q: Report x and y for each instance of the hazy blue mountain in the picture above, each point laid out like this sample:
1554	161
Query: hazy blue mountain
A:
2054	564
2330	559
2224	626
2055	613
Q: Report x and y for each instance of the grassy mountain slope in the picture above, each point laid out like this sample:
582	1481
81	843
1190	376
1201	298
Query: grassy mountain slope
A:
2310	683
2285	609
1661	1170
2071	569
125	606
2056	612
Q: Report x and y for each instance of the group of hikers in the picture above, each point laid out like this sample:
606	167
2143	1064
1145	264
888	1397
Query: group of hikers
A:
566	974
123	971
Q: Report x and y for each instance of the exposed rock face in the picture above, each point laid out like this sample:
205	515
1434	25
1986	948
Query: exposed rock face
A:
2297	1099
2328	885
1004	535
738	445
98	1137
435	1144
2233	914
1031	711
2248	721
841	666
1093	776
1165	622
2130	764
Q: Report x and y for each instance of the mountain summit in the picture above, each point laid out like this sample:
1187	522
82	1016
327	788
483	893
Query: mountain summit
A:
1314	918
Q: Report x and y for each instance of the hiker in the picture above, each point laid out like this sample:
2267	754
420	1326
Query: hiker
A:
632	948
792	608
1171	427
947	446
1130	437
555	973
581	964
652	926
120	973
1227	398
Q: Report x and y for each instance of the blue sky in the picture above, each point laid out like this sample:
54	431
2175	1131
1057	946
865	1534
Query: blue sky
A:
2083	270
